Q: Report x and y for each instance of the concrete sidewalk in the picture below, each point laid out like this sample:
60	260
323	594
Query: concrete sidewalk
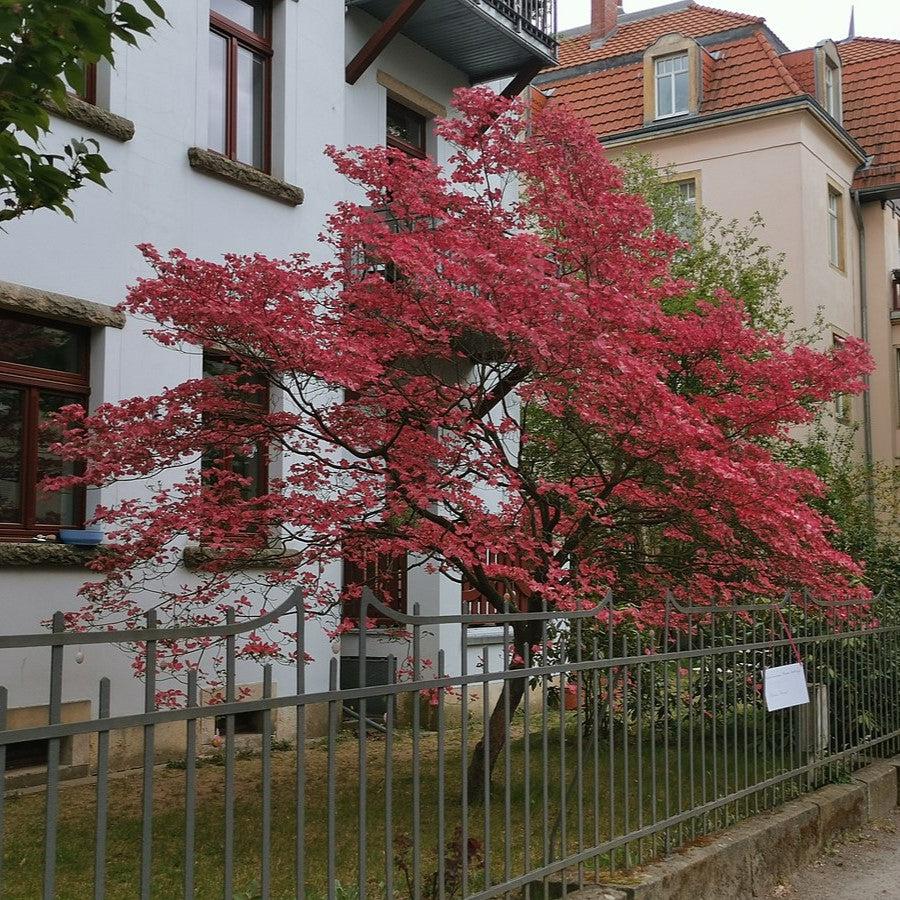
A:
862	866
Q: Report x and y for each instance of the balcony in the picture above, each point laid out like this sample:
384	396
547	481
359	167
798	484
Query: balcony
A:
486	39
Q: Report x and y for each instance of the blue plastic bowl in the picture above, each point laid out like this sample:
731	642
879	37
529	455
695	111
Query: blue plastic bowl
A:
84	537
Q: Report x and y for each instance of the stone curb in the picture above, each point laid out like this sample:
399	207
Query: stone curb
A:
752	857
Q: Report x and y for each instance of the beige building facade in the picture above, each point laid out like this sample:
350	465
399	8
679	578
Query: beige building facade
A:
809	140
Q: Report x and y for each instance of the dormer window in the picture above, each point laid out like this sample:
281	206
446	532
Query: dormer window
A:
673	82
828	79
673	91
832	89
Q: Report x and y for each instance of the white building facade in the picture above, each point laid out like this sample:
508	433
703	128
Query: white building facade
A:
214	128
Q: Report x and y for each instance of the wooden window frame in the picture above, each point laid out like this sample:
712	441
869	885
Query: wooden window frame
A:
262	450
236	37
353	575
839	217
419	152
33	380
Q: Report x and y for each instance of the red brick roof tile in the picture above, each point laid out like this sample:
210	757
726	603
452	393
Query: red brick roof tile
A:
636	36
872	105
802	65
747	72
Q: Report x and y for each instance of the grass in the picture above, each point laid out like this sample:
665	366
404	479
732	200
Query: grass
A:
639	799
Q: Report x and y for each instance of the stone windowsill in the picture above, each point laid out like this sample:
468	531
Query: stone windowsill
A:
489	635
895	315
45	554
245	176
94	117
49	305
195	556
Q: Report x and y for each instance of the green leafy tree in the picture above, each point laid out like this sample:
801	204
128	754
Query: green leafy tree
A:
45	48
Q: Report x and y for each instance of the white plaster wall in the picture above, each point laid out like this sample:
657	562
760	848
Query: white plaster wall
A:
154	196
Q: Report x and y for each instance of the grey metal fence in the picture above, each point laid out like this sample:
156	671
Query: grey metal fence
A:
575	746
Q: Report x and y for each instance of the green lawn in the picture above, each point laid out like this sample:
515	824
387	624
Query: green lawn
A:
23	845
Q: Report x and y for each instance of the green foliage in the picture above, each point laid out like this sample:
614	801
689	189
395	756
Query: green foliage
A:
44	50
720	254
861	500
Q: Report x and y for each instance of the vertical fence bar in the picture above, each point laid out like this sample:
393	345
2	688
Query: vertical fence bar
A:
464	756
229	758
190	787
626	782
507	795
579	748
265	875
149	758
416	760
300	755
441	777
545	746
52	807
389	781
362	769
4	700
485	762
102	793
526	758
331	777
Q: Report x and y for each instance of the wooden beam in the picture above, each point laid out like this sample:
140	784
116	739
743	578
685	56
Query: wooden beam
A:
523	78
386	32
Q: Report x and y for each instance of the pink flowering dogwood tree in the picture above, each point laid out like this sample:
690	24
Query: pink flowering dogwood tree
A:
478	329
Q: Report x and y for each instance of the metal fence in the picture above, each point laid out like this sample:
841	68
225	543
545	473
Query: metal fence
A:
614	744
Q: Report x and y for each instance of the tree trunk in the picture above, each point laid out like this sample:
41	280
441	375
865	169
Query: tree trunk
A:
524	636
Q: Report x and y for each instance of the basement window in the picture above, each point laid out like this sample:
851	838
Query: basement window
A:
35	754
244	723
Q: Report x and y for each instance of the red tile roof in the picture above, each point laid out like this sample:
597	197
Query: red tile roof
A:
736	73
872	105
748	72
802	65
636	36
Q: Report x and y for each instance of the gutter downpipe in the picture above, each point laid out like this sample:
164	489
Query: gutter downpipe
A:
864	334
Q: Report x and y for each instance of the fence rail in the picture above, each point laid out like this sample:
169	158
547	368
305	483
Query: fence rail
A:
579	745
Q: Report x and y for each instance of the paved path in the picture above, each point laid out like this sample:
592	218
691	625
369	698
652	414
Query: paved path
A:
864	866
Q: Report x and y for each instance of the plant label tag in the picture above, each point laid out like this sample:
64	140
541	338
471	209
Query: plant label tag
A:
785	686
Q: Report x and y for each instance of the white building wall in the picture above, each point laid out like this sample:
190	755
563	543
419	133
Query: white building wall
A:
155	196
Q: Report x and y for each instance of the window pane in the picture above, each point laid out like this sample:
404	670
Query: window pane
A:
664	96
251	16
218	55
43	346
251	85
58	507
405	125
11	428
682	92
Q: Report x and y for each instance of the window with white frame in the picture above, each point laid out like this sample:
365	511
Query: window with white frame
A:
673	94
686	212
832	89
835	228
842	402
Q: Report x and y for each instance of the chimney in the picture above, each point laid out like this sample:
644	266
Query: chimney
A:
604	18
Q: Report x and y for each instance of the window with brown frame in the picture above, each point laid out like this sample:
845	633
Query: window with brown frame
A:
240	64
43	367
87	89
406	129
254	465
385	574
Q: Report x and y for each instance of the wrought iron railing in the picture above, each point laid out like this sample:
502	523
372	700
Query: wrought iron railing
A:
574	749
537	17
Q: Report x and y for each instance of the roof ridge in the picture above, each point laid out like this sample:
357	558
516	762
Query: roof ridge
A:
727	12
781	68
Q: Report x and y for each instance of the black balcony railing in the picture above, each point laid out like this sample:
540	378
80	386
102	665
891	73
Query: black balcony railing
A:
536	17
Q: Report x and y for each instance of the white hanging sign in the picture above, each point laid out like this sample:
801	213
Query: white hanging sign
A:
785	686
